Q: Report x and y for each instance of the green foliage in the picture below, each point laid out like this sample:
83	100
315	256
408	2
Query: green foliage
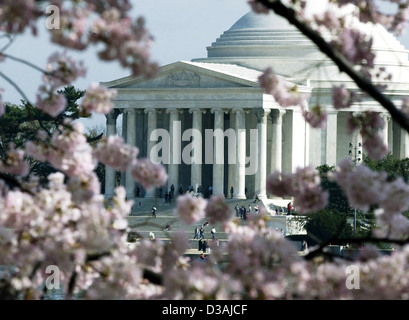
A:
393	167
327	225
21	123
337	202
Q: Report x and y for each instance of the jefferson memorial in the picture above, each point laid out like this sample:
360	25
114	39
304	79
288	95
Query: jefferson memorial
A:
210	124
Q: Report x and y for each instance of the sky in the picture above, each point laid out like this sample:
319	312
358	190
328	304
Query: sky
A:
182	30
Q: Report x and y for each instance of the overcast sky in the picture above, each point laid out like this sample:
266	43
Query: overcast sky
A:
182	30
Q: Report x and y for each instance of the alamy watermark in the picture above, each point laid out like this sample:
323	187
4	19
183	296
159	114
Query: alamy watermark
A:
53	280
352	281
168	147
53	18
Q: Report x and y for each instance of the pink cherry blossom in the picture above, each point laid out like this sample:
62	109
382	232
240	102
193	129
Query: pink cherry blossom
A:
124	40
356	47
148	174
98	99
14	163
113	152
328	19
190	209
280	184
72	31
396	199
258	7
304	186
316	117
51	103
16	15
217	210
341	97
362	186
285	94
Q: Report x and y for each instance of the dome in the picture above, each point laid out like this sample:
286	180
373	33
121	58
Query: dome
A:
258	41
269	21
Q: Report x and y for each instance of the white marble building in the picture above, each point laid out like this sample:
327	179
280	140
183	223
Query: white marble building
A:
221	91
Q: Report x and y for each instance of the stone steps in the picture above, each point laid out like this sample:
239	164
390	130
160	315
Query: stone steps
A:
142	223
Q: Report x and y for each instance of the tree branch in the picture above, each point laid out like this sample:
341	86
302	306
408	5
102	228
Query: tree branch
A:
340	61
10	180
23	95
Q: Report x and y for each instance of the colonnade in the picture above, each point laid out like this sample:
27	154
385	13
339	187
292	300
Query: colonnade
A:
234	162
225	159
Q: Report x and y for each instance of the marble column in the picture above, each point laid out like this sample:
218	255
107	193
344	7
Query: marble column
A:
109	171
196	166
277	139
385	131
329	140
240	177
218	152
131	140
175	148
152	140
232	156
261	175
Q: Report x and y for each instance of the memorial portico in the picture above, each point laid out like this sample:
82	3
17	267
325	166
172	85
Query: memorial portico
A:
210	124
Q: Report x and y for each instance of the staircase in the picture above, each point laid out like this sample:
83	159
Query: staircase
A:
142	224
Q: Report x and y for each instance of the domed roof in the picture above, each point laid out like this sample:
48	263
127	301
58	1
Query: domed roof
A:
255	39
268	21
258	41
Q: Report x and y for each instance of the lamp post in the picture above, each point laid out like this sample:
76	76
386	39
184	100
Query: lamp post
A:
355	153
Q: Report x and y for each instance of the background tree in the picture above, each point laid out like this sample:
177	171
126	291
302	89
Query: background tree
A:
21	123
392	166
326	225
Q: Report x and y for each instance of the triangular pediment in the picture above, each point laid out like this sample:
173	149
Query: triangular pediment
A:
187	75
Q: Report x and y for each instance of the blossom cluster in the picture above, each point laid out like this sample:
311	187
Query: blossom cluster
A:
191	209
15	163
370	125
285	94
344	32
98	99
112	151
304	186
60	70
365	188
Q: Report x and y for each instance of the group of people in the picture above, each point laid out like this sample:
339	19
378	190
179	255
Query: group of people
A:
199	233
289	208
169	195
243	213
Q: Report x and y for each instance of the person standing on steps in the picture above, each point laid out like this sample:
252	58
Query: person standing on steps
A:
201	236
196	236
154	211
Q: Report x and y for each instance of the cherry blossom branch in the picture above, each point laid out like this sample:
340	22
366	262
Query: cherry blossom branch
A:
153	277
343	64
27	63
15	86
10	39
